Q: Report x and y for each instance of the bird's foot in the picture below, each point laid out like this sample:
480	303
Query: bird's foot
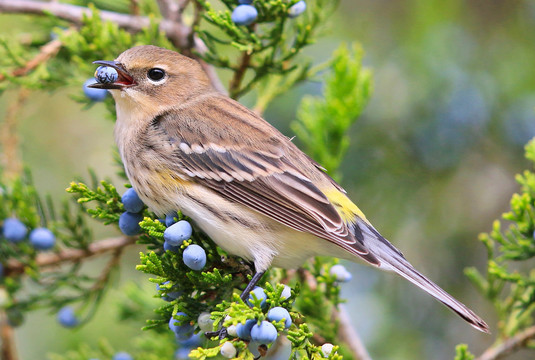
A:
220	334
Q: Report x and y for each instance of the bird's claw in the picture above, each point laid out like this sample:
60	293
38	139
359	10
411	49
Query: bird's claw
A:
220	334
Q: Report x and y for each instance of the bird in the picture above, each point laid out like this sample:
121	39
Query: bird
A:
185	145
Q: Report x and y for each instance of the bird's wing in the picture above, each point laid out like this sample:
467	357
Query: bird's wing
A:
252	167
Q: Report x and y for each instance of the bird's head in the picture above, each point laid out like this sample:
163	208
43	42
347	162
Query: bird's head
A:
149	75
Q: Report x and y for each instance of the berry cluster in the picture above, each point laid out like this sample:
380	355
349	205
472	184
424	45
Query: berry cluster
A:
246	13
15	231
257	332
174	236
130	219
184	336
176	233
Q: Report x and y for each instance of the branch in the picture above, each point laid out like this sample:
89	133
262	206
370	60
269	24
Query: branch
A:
178	33
170	10
349	336
47	51
238	75
8	351
512	344
9	141
15	267
346	331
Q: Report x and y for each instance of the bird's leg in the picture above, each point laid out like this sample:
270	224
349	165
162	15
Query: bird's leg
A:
256	278
222	333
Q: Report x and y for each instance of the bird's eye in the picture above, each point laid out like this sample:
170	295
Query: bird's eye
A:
156	74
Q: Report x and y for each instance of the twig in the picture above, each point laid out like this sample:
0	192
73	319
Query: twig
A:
209	69
176	31
9	141
235	83
47	51
346	331
348	335
15	267
134	7
105	275
510	345
9	350
170	10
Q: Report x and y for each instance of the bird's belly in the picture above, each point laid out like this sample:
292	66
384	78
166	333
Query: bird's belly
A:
237	229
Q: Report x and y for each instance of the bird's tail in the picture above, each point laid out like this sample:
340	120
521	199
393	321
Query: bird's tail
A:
392	259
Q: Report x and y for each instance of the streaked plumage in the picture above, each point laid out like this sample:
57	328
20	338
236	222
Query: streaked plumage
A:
186	146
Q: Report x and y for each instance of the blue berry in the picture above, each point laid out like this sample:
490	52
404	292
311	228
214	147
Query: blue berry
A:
14	230
340	273
193	341
170	295
166	247
228	350
327	349
122	356
247	2
297	9
106	74
244	330
177	233
42	239
131	201
66	317
259	294
204	321
264	333
170	219
194	257
278	313
1	271
244	15
182	354
183	331
129	223
94	94
286	292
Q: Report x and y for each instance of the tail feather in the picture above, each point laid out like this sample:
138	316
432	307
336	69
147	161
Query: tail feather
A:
393	260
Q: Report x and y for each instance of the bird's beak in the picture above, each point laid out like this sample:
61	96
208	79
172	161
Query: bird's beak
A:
123	80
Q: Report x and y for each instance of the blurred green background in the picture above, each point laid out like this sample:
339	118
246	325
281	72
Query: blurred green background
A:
432	162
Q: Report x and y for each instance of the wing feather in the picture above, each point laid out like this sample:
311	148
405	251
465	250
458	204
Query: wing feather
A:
261	176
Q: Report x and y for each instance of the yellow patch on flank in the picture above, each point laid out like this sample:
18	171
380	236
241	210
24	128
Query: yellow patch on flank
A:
345	207
169	178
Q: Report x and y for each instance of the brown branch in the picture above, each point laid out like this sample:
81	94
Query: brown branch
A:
176	31
510	345
106	273
200	46
9	350
348	335
235	83
346	331
15	267
170	10
47	51
9	141
134	7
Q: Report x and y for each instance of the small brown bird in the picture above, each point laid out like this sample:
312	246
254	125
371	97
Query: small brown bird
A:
186	146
